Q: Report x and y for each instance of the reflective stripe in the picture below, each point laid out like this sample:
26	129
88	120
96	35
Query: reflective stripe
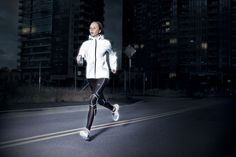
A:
102	85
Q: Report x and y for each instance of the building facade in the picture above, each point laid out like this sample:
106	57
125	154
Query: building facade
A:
183	39
50	33
140	30
233	37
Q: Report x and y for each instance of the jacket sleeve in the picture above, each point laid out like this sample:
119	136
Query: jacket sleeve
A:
82	52
112	58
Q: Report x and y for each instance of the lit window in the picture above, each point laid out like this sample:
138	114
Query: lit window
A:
204	45
33	30
141	46
25	30
173	41
136	46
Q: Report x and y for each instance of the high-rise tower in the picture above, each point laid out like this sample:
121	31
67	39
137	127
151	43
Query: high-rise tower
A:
51	32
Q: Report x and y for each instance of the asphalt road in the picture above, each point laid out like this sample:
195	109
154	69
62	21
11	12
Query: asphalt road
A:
160	127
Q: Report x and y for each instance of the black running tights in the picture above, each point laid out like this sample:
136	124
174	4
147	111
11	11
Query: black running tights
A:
97	86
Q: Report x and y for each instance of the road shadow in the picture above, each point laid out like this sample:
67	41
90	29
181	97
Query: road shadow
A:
100	131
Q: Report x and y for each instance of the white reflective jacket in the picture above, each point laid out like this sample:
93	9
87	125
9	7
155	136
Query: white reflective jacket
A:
99	56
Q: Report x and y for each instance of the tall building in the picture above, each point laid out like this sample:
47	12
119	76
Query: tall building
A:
219	26
233	37
51	32
182	39
192	40
167	41
232	56
140	30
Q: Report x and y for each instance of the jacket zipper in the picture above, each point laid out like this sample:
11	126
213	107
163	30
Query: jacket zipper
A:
95	58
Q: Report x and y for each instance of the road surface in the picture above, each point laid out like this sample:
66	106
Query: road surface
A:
158	127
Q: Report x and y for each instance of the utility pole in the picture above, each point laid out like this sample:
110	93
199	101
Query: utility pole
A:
130	64
144	80
39	75
75	77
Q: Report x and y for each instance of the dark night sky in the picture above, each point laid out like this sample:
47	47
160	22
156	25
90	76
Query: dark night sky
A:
8	29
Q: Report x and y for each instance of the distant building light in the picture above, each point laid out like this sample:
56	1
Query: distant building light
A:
142	46
204	45
33	30
167	23
136	46
172	75
173	41
25	30
28	30
191	41
79	73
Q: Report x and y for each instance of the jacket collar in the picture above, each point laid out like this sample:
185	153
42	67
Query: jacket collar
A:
97	37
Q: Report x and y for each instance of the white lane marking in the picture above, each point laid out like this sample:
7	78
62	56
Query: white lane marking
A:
33	139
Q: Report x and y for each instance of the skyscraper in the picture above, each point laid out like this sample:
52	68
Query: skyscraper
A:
232	59
51	32
182	38
140	30
192	40
168	41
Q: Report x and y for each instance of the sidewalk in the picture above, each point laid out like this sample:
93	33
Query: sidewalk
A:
120	100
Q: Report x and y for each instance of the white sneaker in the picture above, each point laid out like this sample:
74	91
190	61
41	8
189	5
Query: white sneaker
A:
115	114
84	134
